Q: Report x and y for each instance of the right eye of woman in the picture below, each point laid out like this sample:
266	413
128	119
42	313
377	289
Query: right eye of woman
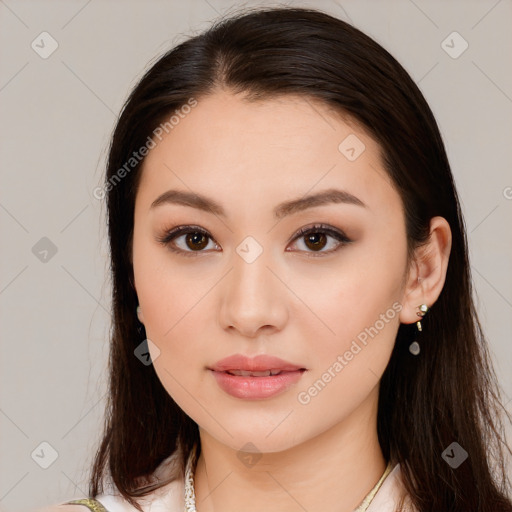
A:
195	237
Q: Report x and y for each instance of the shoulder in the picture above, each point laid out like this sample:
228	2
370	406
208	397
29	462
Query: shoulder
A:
169	498
62	508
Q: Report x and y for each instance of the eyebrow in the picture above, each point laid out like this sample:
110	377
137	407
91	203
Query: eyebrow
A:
284	209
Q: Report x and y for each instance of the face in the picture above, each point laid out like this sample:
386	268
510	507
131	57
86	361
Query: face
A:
241	278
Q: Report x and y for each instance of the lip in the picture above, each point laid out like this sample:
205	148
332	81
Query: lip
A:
258	363
251	387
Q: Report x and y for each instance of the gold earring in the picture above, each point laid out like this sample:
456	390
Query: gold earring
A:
414	347
421	313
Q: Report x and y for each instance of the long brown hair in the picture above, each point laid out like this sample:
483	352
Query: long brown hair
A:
450	393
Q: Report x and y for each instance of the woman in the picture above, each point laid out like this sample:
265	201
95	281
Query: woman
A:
293	321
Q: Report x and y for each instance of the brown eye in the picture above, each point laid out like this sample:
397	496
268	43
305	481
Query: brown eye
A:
316	238
196	241
186	240
316	241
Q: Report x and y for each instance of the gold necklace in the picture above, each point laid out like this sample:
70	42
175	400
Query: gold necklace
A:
190	497
369	497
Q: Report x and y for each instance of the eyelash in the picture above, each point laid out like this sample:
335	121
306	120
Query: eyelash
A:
174	233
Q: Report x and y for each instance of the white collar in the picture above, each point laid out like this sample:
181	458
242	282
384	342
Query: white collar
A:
172	498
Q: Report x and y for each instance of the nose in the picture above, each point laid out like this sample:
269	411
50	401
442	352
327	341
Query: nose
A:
253	298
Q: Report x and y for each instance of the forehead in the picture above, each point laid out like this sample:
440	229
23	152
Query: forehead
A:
266	149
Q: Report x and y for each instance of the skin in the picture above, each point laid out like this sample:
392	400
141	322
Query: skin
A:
249	157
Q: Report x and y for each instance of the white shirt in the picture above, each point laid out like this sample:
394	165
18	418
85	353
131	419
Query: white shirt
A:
171	498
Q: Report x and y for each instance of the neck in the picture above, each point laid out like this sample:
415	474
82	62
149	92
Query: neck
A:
333	471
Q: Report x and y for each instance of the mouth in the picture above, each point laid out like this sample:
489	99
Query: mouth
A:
259	377
257	385
265	373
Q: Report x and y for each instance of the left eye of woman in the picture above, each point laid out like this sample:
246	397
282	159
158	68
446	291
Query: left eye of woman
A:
316	238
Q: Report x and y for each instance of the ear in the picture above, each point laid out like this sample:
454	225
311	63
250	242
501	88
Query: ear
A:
427	273
140	315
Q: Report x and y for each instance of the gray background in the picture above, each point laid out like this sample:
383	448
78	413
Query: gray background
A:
57	114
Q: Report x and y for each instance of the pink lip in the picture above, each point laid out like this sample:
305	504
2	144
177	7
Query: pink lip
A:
253	388
254	364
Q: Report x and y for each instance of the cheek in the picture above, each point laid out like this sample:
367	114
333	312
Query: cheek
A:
174	325
166	294
175	316
358	324
354	313
341	301
173	319
351	355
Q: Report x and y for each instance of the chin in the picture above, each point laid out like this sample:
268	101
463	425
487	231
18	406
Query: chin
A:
240	438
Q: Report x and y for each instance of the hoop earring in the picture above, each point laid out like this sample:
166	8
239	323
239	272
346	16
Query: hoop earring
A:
414	347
